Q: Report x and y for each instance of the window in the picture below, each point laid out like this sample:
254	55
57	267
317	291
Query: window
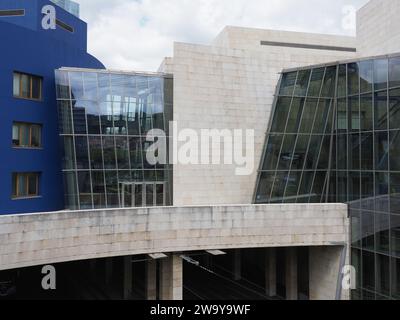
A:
25	185
26	135
27	86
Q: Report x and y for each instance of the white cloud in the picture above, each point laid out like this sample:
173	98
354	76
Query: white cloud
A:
138	34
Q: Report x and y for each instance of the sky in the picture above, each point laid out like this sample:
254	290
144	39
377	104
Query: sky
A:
138	34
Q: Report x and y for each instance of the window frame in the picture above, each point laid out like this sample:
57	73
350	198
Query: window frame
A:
31	77
31	127
26	177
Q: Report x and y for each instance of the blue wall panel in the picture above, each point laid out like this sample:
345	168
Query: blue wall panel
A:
39	52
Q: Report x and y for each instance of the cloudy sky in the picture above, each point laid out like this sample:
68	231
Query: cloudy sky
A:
137	34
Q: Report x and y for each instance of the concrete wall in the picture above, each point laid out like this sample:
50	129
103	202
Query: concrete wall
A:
231	85
378	26
325	266
37	239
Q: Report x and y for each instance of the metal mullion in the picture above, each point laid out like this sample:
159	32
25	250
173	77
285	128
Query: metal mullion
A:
311	135
74	143
298	130
267	136
88	149
283	139
334	121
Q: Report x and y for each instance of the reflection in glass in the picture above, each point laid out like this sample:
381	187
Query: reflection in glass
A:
302	83
380	74
366	75
316	82
288	83
281	114
273	151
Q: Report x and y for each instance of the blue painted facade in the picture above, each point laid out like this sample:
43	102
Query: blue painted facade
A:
28	48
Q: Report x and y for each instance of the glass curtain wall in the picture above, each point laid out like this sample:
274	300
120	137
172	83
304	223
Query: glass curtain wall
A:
104	120
335	137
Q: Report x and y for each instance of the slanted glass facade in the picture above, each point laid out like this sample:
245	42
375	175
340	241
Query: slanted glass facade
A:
335	137
104	120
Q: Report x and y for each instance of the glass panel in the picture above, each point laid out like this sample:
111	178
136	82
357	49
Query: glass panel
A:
318	187
70	190
382	191
25	86
24	135
160	195
112	189
383	274
68	156
342	187
36	88
395	278
394	109
353	78
62	83
368	271
132	110
342	91
65	117
93	119
367	191
366	115
394	72
295	115
382	229
354	111
322	115
138	195
76	80
367	154
82	153
149	195
286	155
109	153
380	74
394	150
79	115
136	152
316	82
381	151
288	82
104	89
381	111
106	115
354	186
354	151
366	75
36	136
279	187
395	235
85	191
355	228
120	118
325	153
33	185
122	152
264	188
281	115
15	135
99	196
313	152
395	193
341	156
90	86
302	83
309	111
118	83
272	152
96	154
342	121
305	186
16	84
292	187
300	152
328	90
